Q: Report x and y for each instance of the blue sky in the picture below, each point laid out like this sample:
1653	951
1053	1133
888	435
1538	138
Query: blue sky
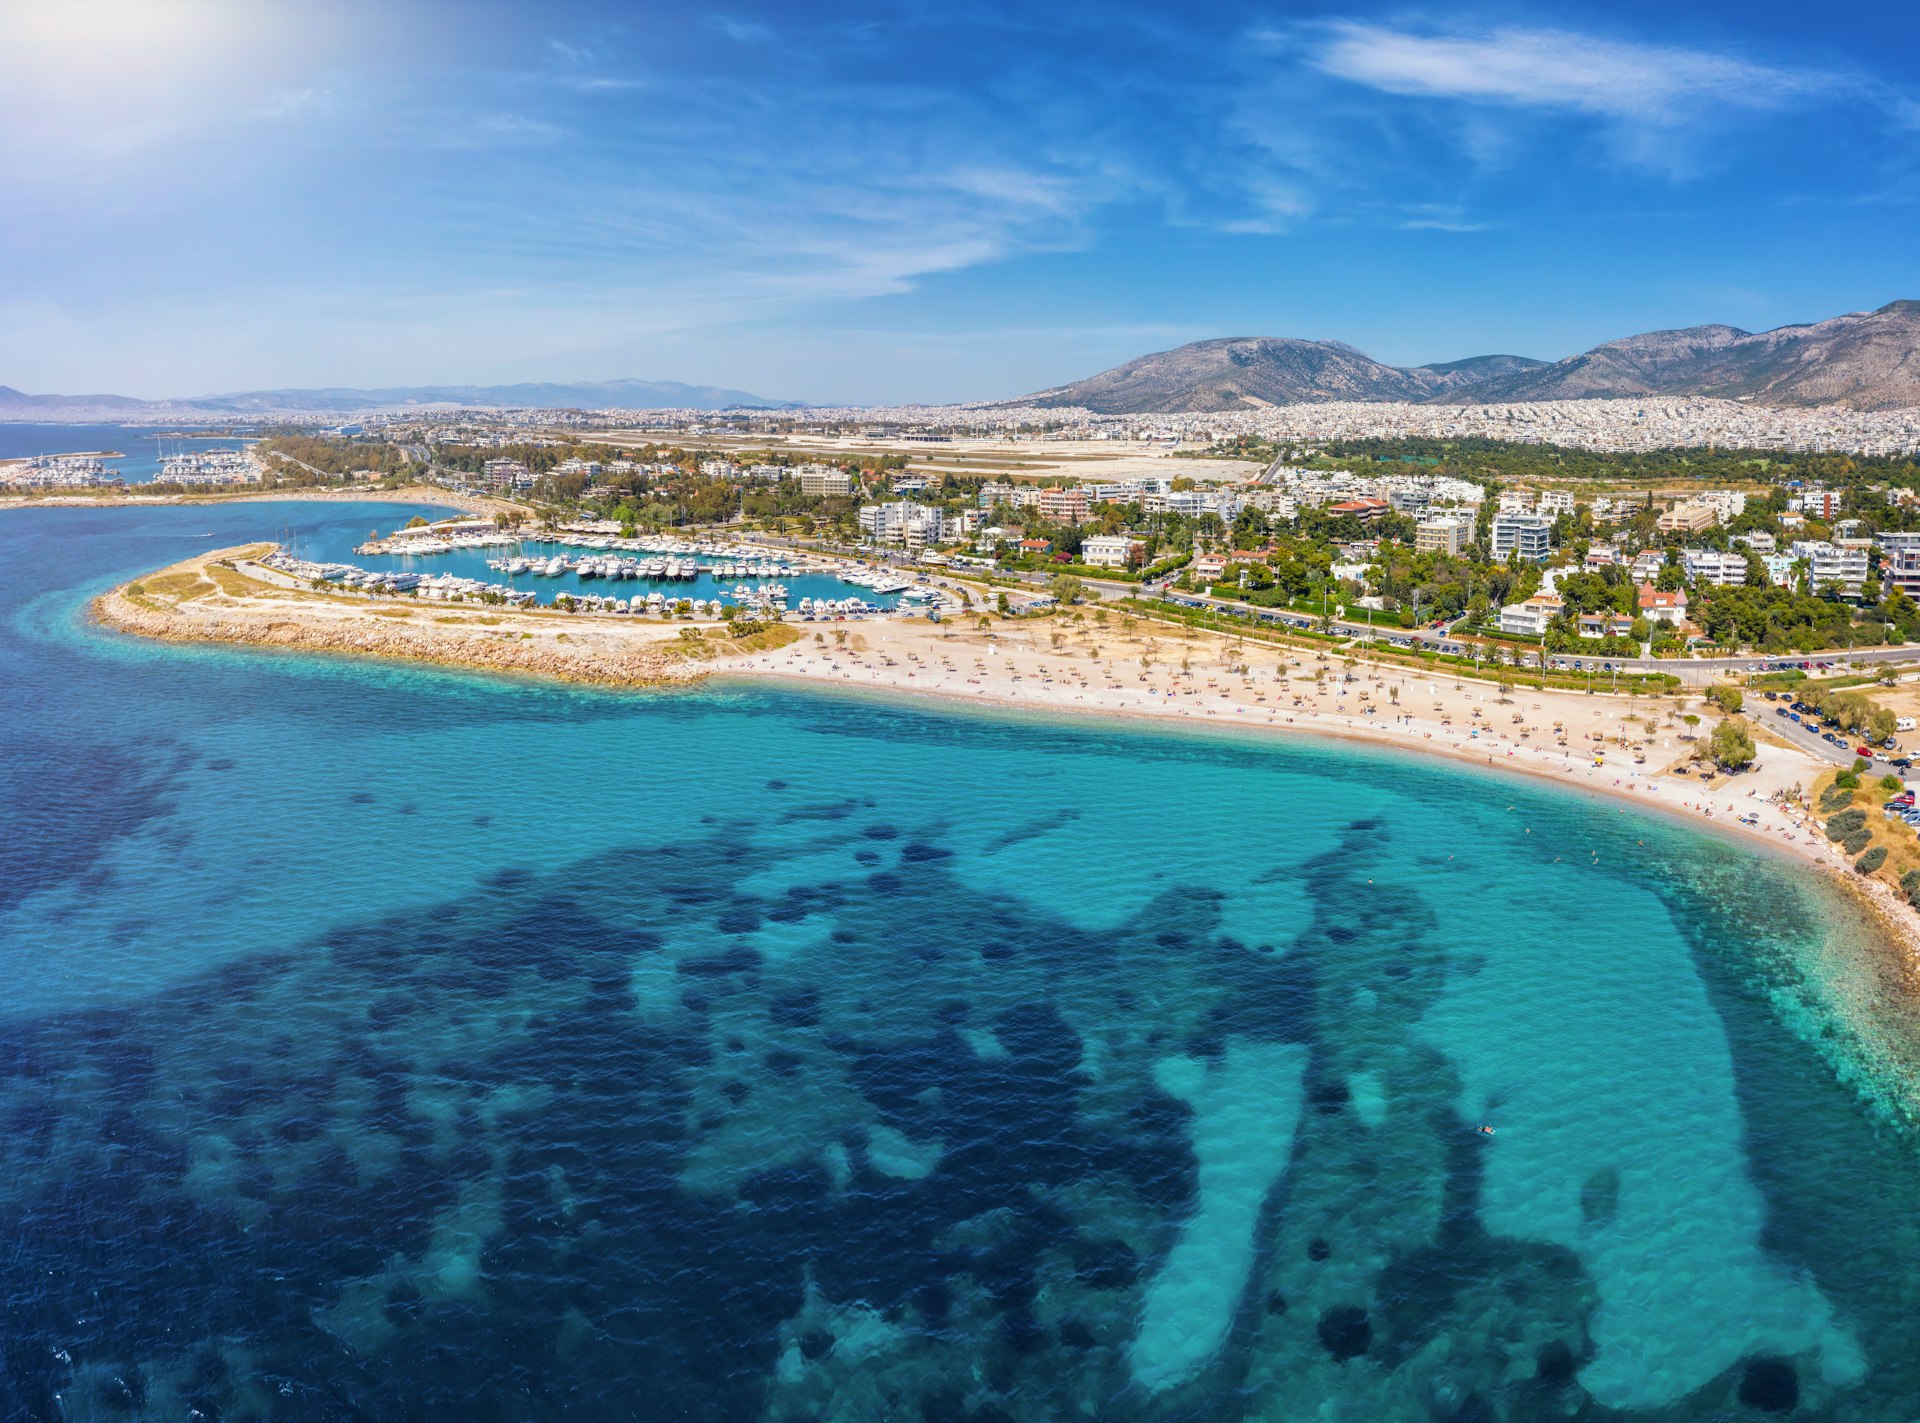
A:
884	202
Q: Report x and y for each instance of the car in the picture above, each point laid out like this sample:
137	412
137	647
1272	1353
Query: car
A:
1793	716
1901	763
1782	711
1864	751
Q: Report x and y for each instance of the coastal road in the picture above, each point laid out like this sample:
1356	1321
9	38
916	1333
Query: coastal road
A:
1692	671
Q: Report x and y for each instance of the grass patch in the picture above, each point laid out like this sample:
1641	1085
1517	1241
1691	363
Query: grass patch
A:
236	584
181	587
777	636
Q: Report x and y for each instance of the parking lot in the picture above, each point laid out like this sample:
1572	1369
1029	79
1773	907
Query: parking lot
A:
1797	724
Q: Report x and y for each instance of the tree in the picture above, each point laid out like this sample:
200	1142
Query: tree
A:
1731	744
1067	589
1727	697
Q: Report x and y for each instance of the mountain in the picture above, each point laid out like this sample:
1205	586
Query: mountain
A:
50	407
1868	360
589	395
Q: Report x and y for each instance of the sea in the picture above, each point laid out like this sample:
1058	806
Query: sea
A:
140	447
383	1042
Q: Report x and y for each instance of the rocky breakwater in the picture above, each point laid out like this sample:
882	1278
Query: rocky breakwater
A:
222	597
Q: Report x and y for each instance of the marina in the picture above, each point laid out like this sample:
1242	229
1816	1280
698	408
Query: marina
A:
466	561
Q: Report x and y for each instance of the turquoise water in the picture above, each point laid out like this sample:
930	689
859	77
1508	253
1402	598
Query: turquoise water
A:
383	1043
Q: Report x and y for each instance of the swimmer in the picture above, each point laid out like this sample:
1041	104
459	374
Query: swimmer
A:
1484	1129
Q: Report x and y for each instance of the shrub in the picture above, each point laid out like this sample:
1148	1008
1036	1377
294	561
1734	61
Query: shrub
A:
1872	860
1847	781
1892	783
1835	798
1857	841
1861	763
1910	886
1845	823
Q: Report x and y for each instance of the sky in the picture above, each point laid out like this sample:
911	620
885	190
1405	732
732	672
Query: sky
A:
888	202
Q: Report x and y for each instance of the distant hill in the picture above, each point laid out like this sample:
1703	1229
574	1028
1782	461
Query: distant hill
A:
589	395
1867	360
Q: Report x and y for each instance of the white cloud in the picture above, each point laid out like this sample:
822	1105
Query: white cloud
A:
1559	69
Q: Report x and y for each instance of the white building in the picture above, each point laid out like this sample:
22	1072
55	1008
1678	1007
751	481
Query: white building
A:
902	522
1528	535
1832	563
1530	619
823	481
1113	551
1705	565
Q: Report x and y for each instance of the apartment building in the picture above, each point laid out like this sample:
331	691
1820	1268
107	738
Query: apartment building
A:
823	481
1704	565
1446	536
1529	535
902	522
1063	506
1829	563
1113	551
1688	518
1531	618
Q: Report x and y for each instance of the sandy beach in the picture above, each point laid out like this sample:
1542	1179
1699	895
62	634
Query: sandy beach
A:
1636	749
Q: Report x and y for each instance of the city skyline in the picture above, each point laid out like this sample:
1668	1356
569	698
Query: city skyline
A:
879	204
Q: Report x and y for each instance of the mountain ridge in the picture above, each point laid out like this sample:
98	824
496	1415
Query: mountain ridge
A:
624	394
1868	360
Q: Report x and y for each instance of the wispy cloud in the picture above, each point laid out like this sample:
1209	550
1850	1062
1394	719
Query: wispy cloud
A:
1560	69
741	31
1437	217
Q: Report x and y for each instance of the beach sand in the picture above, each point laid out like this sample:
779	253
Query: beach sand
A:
1107	664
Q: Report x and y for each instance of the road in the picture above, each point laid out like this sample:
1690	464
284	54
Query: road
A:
1692	671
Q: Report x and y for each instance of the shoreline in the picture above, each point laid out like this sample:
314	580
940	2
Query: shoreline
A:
243	604
414	494
1890	914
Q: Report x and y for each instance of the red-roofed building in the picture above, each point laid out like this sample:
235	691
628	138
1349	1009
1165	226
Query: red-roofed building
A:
1364	509
1658	607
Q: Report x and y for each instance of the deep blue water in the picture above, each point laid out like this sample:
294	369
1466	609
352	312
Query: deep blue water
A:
384	1043
141	446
